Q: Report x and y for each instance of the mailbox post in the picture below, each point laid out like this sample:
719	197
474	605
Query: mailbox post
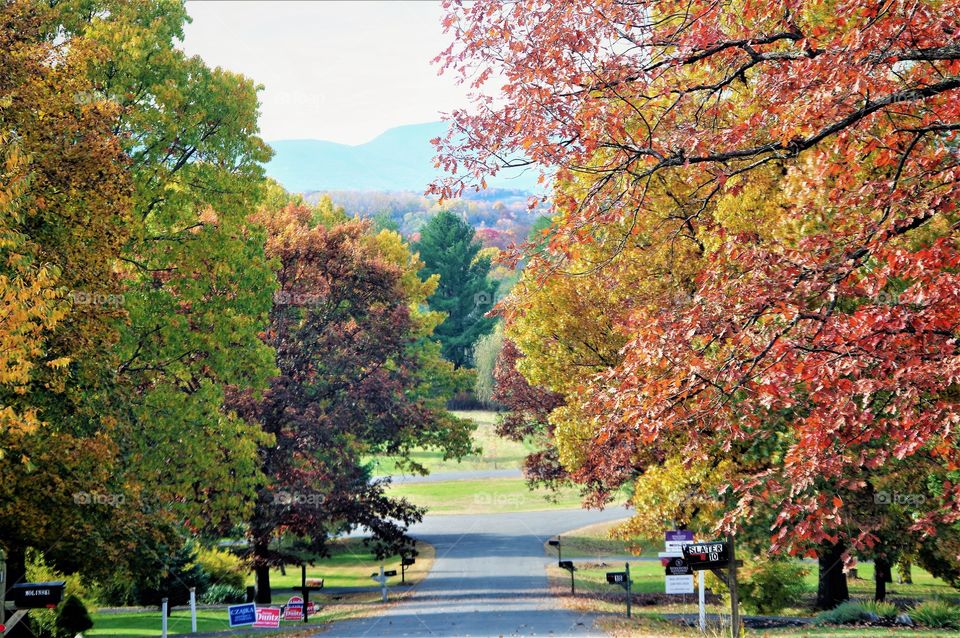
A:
622	579
405	561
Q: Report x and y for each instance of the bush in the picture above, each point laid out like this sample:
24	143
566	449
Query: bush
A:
72	617
883	610
936	614
222	568
847	613
767	585
224	594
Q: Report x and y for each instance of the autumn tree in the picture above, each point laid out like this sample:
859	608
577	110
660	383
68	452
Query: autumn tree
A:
464	293
809	154
64	207
358	375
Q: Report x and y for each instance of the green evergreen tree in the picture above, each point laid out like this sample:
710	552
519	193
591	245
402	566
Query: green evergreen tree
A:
448	248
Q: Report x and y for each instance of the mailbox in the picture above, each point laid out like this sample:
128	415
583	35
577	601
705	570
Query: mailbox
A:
617	578
37	595
567	564
390	572
406	562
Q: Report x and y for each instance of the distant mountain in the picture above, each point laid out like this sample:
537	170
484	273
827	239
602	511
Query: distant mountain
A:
400	159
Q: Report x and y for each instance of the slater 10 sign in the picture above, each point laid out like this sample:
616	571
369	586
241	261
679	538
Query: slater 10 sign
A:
706	555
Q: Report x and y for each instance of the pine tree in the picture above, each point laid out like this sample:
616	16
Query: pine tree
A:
449	249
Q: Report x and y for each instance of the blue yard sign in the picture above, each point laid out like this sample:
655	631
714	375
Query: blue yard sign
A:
241	615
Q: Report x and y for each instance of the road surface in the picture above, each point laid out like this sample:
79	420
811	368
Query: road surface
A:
488	580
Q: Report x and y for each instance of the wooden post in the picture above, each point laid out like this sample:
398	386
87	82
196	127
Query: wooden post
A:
304	590
628	588
734	597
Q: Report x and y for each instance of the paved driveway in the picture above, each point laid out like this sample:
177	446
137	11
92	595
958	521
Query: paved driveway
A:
488	580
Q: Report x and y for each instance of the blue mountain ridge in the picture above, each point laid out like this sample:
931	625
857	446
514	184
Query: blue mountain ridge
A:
399	159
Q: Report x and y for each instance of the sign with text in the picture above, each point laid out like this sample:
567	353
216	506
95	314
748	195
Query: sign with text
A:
242	615
293	609
679	584
677	567
268	617
707	555
37	595
674	539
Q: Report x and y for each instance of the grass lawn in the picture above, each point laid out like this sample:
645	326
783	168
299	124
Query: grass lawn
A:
496	453
484	497
594	541
595	596
350	565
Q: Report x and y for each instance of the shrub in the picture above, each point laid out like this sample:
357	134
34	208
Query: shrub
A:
936	614
767	585
224	594
222	567
846	613
72	617
884	610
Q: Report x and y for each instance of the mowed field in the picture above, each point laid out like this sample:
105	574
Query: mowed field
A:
496	453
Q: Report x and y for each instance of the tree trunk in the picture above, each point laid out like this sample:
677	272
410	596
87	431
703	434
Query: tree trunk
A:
17	573
832	582
881	568
262	571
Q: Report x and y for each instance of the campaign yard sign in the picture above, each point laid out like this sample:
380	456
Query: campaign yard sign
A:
242	615
293	609
268	617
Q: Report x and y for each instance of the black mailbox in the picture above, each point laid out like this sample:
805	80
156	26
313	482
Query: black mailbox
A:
390	572
37	595
617	578
406	562
567	564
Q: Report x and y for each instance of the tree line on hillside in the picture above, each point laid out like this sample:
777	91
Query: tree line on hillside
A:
500	217
746	306
187	351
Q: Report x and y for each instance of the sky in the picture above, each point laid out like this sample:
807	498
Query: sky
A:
340	71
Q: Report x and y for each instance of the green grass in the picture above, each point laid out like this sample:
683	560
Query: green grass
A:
484	497
594	541
148	623
349	565
496	453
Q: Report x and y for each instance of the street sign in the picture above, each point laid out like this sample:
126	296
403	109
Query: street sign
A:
268	617
707	555
242	615
679	584
37	595
677	567
293	609
617	578
674	539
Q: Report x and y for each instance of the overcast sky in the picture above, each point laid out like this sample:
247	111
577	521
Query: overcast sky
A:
340	71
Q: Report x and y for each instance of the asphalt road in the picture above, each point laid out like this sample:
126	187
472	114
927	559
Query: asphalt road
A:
488	580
